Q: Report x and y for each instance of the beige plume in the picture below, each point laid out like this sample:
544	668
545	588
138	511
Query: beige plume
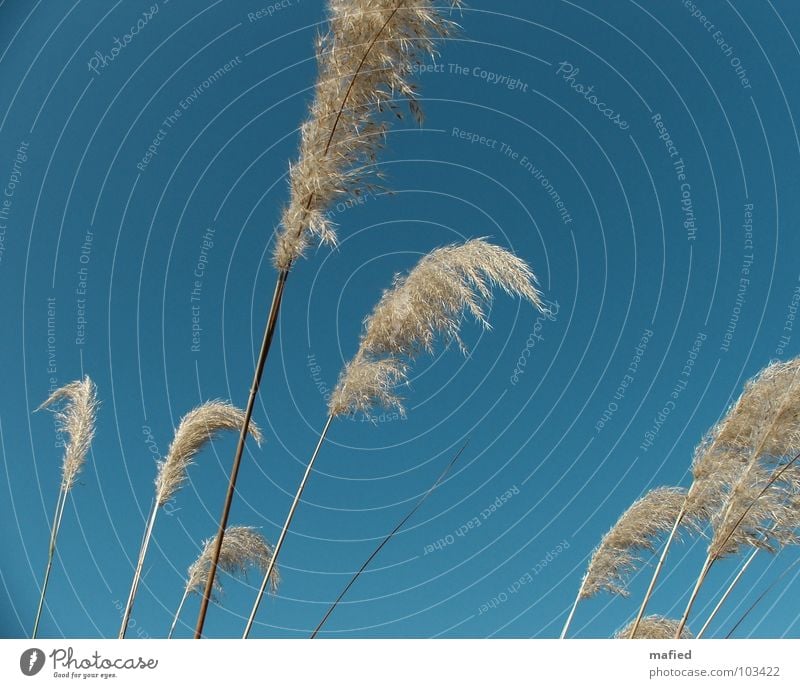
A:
365	60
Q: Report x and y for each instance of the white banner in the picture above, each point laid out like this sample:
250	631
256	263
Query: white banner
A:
401	663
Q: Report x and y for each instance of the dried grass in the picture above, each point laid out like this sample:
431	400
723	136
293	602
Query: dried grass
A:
428	303
75	417
198	426
365	61
242	547
655	628
636	531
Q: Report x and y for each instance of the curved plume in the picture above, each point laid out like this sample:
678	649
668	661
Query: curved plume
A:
200	425
365	383
242	547
654	627
365	60
428	302
636	531
764	419
766	478
76	417
431	300
763	422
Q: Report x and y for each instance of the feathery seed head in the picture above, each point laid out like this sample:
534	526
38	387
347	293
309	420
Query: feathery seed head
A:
366	382
636	531
760	510
432	298
200	425
764	422
76	418
427	302
654	627
364	62
242	547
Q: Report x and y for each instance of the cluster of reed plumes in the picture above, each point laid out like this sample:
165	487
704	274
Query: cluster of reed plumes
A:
744	495
365	60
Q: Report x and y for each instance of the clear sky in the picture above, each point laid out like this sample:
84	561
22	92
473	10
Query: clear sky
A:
642	156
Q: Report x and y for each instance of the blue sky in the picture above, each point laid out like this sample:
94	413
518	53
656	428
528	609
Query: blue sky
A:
641	217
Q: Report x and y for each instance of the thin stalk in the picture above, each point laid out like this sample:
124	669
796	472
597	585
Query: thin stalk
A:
178	612
657	571
572	611
700	579
712	557
59	512
727	593
285	529
137	575
269	330
387	538
758	600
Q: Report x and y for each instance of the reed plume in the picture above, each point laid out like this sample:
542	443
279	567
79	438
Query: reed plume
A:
75	416
365	60
418	311
653	627
243	547
766	479
619	552
198	427
728	448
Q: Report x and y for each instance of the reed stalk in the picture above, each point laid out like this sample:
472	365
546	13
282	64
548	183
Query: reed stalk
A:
742	569
198	427
75	415
427	303
719	548
338	140
383	543
59	512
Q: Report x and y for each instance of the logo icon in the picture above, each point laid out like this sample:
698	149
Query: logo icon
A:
31	661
